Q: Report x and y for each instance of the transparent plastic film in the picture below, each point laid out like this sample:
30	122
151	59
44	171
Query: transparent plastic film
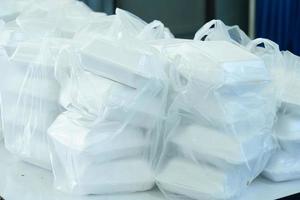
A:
105	140
216	30
30	101
284	165
225	106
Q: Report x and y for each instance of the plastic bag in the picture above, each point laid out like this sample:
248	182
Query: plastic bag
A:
9	10
58	18
224	106
216	30
3	62
97	145
269	52
284	166
127	25
30	100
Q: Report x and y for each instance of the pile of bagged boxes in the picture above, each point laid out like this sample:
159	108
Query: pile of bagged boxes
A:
112	104
284	68
223	110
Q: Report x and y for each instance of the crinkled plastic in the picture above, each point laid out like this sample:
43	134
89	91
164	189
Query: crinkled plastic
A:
127	25
10	9
269	52
216	30
285	164
224	106
61	18
283	68
29	90
106	140
29	93
123	26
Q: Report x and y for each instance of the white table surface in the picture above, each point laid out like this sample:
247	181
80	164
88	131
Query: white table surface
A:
22	181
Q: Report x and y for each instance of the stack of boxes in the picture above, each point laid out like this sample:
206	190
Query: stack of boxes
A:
104	142
224	110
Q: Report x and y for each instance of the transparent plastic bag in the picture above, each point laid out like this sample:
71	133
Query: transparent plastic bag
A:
9	10
3	62
269	52
218	131
59	18
216	30
105	141
284	166
122	26
30	100
127	25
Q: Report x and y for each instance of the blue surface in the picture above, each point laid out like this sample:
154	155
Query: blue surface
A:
279	20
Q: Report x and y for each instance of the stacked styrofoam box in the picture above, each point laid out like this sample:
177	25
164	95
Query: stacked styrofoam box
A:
29	99
29	88
226	106
285	164
103	142
114	94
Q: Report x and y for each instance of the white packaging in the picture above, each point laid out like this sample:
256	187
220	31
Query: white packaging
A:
283	167
229	75
224	107
284	68
98	159
110	129
124	64
30	100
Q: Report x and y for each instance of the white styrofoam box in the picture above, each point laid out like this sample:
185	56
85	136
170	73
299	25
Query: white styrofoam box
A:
287	132
113	153
31	84
28	144
228	63
221	149
20	111
127	65
224	154
106	99
29	100
225	106
222	82
25	123
70	132
283	167
184	178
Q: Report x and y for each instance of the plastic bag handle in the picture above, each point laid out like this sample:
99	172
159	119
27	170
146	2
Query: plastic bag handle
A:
208	27
268	44
155	26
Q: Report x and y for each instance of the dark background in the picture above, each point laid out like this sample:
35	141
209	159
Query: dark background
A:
278	20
